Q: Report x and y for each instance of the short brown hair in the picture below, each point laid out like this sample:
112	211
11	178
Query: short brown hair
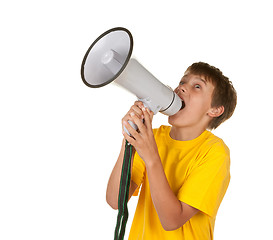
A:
224	93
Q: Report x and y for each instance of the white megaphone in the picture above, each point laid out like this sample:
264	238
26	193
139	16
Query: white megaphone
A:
109	59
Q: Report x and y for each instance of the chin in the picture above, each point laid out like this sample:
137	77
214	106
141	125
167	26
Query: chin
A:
178	120
177	117
172	120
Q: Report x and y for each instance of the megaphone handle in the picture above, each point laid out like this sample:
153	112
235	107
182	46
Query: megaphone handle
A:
148	104
134	126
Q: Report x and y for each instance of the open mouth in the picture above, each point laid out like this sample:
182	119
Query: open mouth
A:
183	105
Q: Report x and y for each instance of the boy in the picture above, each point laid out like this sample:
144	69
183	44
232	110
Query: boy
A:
183	168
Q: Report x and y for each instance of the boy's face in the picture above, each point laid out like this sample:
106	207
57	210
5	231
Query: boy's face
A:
196	93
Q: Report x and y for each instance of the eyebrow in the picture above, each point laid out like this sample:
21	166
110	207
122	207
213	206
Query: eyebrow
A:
197	77
203	80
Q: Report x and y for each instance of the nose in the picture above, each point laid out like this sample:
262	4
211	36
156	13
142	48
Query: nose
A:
181	88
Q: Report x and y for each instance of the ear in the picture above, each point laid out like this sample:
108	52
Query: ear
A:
216	111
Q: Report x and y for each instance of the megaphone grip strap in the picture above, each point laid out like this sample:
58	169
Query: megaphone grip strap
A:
124	187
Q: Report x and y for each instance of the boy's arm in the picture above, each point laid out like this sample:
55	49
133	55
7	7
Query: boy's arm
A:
171	212
112	191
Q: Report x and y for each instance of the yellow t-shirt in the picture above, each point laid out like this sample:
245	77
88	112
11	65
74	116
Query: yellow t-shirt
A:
197	172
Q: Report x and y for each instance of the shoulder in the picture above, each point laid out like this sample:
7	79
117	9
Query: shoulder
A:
162	130
215	150
214	143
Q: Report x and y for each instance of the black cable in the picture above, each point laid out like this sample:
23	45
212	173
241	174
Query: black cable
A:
124	187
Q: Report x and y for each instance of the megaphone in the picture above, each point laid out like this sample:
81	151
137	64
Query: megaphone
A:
109	59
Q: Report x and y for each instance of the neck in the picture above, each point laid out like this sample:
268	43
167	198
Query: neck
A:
185	134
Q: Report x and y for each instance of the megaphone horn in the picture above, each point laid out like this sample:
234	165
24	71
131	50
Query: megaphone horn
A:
109	59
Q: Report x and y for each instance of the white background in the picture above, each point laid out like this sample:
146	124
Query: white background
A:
60	139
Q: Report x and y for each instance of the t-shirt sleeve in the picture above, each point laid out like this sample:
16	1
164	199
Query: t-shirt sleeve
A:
207	182
138	171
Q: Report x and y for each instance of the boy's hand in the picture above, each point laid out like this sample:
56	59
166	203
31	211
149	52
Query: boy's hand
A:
142	139
136	109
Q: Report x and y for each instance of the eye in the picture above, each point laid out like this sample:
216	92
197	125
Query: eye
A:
197	86
181	83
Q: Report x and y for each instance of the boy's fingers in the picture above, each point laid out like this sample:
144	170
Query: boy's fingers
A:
131	140
130	129
135	109
138	122
151	113
139	104
148	116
